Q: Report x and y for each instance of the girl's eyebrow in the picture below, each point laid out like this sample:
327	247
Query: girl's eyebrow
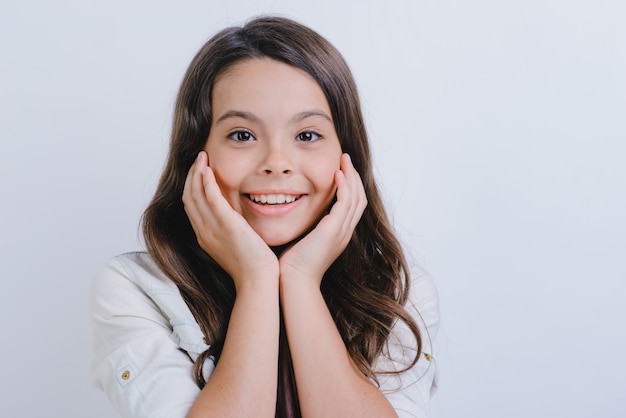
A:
310	113
236	114
298	117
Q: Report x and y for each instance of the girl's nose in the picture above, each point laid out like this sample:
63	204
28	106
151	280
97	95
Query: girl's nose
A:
276	161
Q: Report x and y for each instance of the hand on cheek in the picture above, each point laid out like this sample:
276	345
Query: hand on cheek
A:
314	253
222	232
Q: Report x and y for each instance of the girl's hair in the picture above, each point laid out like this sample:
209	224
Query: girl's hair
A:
365	289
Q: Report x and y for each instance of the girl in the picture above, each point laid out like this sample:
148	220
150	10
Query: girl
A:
273	284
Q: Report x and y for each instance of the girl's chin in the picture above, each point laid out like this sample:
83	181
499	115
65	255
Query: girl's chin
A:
278	245
278	242
281	244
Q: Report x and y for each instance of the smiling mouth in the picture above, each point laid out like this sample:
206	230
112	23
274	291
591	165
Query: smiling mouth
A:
273	199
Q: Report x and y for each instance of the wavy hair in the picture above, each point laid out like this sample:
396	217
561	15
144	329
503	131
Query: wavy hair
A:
365	289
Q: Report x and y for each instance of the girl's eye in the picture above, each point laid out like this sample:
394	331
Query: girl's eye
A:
308	136
241	136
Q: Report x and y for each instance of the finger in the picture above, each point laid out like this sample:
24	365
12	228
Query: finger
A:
188	180
341	208
193	194
345	181
203	199
352	189
214	197
353	178
340	221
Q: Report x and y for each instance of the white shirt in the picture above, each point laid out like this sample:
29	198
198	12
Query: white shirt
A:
146	341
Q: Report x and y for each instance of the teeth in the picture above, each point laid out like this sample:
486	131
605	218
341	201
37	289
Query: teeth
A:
273	199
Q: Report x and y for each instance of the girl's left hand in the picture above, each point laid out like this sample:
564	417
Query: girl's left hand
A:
310	257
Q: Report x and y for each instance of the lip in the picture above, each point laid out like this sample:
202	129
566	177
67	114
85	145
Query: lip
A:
277	209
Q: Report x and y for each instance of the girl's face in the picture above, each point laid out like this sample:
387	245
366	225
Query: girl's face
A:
273	147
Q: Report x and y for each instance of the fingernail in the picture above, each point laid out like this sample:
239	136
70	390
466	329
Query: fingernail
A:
198	156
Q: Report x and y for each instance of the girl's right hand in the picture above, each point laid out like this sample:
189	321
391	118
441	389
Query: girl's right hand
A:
222	232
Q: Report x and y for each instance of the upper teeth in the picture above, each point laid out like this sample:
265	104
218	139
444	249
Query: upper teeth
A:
273	199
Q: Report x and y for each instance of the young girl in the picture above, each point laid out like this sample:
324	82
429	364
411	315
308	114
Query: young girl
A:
273	284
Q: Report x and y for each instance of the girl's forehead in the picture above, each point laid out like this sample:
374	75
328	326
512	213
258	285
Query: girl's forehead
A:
262	69
266	87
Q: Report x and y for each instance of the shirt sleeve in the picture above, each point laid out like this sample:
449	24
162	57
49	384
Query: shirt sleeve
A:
410	391
136	363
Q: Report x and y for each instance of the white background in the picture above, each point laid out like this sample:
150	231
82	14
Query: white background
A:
498	130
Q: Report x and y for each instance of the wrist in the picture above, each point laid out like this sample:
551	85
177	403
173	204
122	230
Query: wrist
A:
256	283
299	285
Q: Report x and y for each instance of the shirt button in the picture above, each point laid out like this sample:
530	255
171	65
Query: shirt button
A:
125	375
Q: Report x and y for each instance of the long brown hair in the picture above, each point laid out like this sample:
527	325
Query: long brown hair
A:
365	289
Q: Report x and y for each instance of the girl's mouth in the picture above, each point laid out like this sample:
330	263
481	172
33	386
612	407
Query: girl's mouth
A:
273	199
